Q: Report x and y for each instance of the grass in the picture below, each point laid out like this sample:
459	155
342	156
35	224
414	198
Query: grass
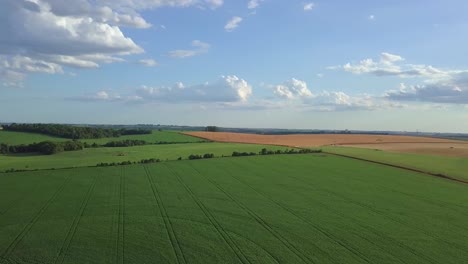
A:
16	138
155	137
264	209
452	166
93	156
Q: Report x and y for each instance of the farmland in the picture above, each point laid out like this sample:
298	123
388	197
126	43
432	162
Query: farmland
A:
16	138
234	210
315	140
456	167
93	156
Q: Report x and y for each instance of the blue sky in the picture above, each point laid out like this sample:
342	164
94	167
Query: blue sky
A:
370	65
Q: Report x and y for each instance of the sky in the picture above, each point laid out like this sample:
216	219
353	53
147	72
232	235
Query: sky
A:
327	64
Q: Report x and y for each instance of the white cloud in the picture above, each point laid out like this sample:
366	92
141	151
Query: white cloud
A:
252	4
309	6
371	17
45	35
226	89
233	23
453	90
148	62
106	96
214	3
438	85
392	65
296	94
292	89
199	47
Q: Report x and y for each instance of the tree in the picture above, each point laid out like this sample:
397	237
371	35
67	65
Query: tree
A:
211	129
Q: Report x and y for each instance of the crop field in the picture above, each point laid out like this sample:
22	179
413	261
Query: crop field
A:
155	137
16	138
456	167
317	140
266	209
93	156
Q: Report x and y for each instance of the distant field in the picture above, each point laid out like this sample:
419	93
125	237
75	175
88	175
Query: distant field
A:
16	138
93	156
313	140
451	166
265	209
155	137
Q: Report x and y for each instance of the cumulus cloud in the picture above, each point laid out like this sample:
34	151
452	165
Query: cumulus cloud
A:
392	65
199	47
148	62
298	95
309	6
226	89
446	86
233	23
46	35
292	89
453	90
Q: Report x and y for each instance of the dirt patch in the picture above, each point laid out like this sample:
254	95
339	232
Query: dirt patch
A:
408	144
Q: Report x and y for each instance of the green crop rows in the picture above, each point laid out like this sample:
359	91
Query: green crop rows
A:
265	209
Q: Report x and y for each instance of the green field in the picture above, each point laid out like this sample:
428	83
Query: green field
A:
93	156
16	138
265	209
456	167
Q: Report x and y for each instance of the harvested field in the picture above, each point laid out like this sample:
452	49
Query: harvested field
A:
315	140
406	144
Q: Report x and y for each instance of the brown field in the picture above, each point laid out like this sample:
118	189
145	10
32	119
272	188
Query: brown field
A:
409	144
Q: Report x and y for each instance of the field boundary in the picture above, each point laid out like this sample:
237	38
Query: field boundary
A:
438	175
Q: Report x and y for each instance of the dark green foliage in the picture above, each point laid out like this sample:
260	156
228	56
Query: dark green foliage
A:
242	154
73	132
205	156
125	132
143	161
45	147
211	129
125	143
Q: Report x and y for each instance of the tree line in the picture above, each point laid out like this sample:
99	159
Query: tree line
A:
44	147
73	132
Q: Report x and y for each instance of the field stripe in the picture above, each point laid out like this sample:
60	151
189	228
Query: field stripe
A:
180	257
264	224
438	175
40	212
325	233
120	242
224	235
76	221
356	221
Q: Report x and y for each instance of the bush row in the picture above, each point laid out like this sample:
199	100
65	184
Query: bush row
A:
205	156
143	161
265	151
44	147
